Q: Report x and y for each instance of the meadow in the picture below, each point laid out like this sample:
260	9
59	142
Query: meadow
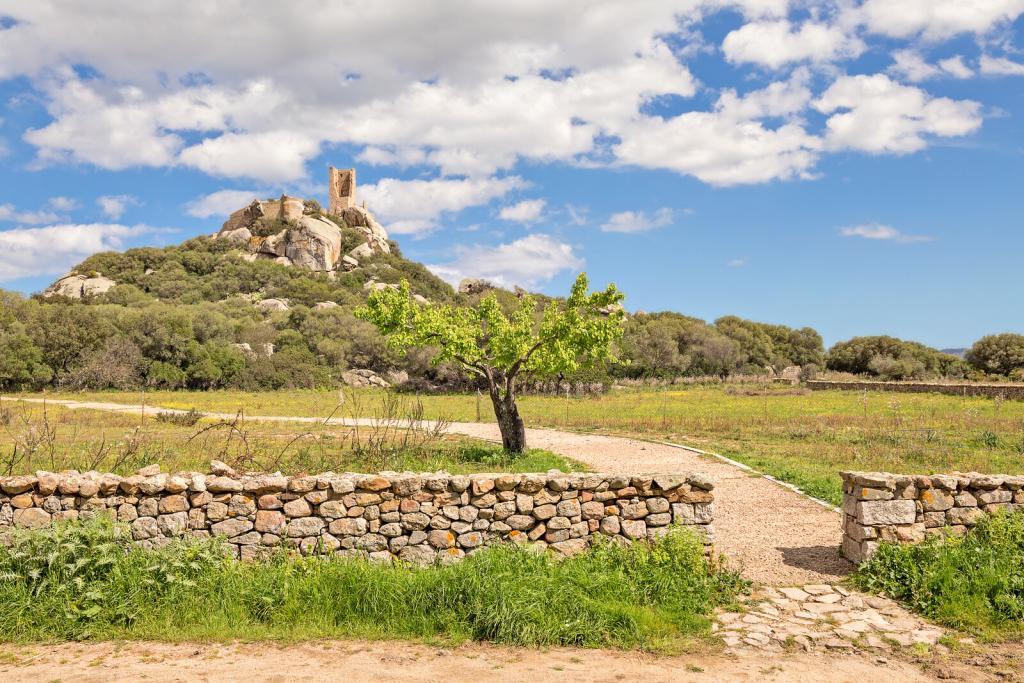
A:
49	437
798	436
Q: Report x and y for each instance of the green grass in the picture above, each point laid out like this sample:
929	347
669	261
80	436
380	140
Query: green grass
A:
84	581
55	438
974	583
798	436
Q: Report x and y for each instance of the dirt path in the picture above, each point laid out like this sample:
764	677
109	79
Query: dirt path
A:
776	536
392	661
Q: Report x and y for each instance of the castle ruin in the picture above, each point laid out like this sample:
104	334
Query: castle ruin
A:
341	190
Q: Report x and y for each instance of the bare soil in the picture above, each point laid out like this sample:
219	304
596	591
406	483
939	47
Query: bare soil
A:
401	661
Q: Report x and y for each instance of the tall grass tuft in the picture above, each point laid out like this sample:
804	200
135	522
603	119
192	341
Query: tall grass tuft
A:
974	583
86	580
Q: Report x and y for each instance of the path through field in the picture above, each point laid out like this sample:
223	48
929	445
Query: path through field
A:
776	536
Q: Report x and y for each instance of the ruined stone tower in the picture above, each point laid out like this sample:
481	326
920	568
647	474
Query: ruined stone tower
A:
341	189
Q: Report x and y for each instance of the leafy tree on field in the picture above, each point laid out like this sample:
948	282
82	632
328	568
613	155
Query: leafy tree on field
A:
1001	354
568	335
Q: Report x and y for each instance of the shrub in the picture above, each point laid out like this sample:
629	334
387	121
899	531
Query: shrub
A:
187	419
974	583
1001	354
86	580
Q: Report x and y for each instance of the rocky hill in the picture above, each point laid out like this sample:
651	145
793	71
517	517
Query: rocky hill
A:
287	232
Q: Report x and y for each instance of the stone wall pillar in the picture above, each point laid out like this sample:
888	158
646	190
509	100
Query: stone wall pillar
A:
902	508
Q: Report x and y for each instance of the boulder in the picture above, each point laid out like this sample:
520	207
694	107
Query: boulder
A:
325	305
363	378
241	235
268	305
75	286
472	285
363	251
348	263
359	218
275	245
315	244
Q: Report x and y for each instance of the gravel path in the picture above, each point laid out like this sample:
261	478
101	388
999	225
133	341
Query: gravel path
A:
776	536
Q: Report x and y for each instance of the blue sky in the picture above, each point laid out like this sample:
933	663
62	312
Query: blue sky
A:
852	166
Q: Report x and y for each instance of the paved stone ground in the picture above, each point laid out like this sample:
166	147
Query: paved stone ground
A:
821	616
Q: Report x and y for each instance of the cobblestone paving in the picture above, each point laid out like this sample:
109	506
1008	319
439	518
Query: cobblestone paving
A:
821	617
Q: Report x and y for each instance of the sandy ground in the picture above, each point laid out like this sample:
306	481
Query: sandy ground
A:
400	661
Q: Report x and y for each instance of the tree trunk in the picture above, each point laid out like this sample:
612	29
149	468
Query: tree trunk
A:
513	431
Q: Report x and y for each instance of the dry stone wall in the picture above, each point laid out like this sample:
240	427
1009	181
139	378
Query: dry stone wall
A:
415	517
1005	391
903	508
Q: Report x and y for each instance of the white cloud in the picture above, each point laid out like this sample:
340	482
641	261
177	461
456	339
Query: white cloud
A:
877	231
63	203
1000	66
270	156
526	211
8	212
936	19
530	262
51	250
114	205
955	67
775	43
876	114
637	221
912	66
220	203
399	85
737	263
416	206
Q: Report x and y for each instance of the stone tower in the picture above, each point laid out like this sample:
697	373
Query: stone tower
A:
341	189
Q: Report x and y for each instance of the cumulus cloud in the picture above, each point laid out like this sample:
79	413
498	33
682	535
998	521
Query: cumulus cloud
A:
526	211
529	262
877	231
53	249
220	203
876	114
936	19
775	43
637	221
1000	66
570	82
416	206
910	65
114	205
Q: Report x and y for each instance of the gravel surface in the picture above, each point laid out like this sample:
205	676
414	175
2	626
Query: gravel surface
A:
776	536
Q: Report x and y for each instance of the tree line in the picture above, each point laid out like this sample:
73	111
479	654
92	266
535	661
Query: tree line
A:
183	317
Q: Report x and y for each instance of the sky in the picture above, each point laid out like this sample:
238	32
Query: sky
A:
854	166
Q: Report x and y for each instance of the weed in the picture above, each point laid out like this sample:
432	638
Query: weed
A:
87	580
974	583
190	418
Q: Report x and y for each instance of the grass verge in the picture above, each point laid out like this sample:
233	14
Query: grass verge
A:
86	581
974	583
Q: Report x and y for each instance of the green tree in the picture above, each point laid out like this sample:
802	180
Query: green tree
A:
1001	354
497	347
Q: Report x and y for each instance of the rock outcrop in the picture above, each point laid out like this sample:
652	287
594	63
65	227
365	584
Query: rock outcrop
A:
472	285
363	378
308	239
75	286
